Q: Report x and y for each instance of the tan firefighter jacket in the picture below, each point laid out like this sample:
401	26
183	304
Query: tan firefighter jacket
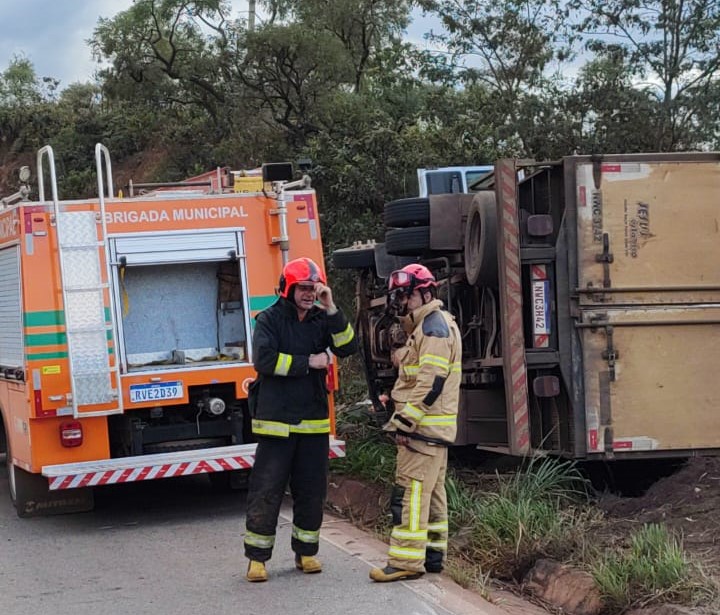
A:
427	392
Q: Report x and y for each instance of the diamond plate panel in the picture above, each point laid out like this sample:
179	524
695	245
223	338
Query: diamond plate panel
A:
89	352
93	389
77	228
81	268
85	309
90	365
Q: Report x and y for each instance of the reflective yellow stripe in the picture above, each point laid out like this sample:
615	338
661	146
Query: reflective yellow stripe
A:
411	370
456	367
413	411
401	534
307	536
270	428
438	526
415	503
311	426
432	359
438	420
283	430
406	553
440	545
258	540
344	337
282	365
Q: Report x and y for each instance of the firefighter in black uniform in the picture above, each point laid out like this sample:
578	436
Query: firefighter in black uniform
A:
289	406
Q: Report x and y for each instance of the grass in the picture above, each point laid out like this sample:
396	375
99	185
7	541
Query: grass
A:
369	454
652	569
533	513
541	510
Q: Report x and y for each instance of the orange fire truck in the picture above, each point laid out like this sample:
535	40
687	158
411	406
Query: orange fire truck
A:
125	328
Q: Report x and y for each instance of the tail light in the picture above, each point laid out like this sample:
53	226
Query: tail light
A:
71	433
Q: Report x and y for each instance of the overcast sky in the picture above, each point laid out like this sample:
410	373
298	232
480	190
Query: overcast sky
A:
52	34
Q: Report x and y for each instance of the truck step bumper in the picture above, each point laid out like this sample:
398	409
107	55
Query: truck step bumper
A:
163	465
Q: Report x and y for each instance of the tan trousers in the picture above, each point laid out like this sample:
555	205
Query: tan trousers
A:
419	508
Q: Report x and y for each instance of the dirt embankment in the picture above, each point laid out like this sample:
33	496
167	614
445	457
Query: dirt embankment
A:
688	502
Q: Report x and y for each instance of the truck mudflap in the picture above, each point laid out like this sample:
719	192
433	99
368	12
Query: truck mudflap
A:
164	465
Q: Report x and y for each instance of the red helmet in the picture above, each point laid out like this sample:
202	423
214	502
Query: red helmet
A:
411	277
297	271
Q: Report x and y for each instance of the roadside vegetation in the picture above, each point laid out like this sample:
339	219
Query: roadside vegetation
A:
501	525
651	569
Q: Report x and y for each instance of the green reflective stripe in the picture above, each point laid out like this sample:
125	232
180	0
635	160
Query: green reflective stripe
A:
415	504
307	536
282	365
411	370
258	540
270	428
431	359
45	339
260	302
44	319
413	411
344	337
438	420
440	545
40	356
402	534
438	526
456	367
406	553
311	426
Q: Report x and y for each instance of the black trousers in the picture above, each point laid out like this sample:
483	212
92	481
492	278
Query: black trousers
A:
303	461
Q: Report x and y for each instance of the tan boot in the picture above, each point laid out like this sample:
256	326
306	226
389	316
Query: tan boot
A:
309	564
256	572
389	574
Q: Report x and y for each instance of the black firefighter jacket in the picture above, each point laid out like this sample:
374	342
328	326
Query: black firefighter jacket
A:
287	390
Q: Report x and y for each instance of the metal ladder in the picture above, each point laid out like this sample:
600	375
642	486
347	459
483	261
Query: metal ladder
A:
84	283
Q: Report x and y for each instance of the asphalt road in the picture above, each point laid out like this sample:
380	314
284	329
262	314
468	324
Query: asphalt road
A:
174	547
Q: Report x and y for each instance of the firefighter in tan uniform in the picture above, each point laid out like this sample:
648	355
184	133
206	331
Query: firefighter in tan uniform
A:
425	400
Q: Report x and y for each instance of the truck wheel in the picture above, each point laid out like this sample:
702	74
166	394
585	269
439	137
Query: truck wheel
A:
32	498
354	257
481	241
231	480
407	212
407	241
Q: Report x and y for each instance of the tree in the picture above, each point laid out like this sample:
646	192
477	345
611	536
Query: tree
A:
504	46
674	45
363	27
185	43
293	73
19	84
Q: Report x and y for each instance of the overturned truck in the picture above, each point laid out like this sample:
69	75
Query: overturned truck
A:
587	291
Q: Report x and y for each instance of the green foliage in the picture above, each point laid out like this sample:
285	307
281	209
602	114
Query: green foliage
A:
531	514
369	455
653	568
673	46
334	80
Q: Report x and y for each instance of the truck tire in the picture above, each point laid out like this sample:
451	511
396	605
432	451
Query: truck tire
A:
231	480
481	266
407	241
31	497
407	212
361	257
